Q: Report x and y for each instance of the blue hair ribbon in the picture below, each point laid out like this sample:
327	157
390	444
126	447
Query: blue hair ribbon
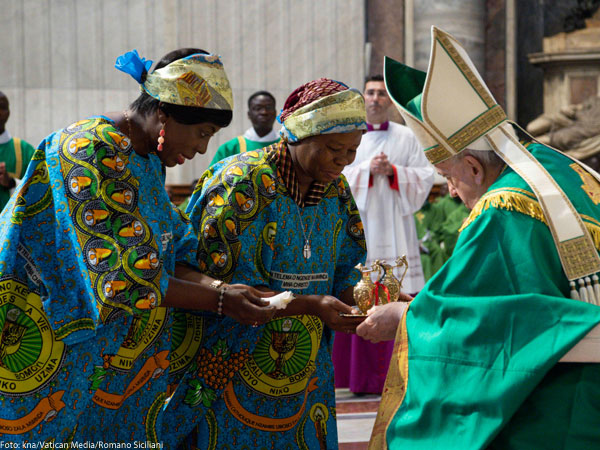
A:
132	64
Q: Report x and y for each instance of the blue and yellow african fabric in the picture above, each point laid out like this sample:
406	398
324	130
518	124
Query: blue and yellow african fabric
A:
270	386
88	242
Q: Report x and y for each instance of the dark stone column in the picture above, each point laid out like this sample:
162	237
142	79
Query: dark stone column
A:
530	79
536	19
385	32
495	49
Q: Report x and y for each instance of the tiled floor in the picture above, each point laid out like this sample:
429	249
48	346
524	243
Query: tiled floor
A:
355	418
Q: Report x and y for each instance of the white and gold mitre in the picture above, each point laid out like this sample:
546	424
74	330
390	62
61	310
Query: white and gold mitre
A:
450	108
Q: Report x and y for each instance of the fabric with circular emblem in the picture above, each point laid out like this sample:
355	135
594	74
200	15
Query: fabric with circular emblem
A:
89	241
283	391
284	357
30	355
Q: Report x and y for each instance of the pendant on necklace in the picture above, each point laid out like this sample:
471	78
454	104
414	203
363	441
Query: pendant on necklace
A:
306	251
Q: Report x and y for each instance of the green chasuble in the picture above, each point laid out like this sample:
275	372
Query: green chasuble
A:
238	145
16	157
475	362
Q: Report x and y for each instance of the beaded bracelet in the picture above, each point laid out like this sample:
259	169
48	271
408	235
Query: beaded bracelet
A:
220	304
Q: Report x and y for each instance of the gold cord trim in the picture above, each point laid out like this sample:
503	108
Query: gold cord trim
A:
521	201
594	232
394	390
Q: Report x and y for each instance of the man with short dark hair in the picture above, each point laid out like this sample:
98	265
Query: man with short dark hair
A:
262	113
15	154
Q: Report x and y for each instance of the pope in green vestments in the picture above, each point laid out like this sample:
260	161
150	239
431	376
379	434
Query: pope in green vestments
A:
485	354
486	332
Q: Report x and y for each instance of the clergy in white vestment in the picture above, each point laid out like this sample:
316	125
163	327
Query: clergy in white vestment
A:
390	180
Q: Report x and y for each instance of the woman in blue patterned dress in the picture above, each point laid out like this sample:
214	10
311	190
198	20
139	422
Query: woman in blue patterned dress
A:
95	264
282	218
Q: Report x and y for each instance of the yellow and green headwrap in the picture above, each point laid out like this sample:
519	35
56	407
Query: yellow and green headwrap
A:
197	80
322	106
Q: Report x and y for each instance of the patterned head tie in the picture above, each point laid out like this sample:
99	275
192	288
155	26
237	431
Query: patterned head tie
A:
198	80
322	106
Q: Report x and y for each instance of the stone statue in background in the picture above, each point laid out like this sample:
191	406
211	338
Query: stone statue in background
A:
574	130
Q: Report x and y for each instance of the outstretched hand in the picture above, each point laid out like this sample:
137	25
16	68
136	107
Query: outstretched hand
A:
244	304
330	309
382	322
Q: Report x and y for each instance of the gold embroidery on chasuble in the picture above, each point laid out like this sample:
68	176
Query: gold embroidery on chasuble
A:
590	184
394	389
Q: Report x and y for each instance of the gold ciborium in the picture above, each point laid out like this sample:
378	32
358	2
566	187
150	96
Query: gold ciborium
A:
364	290
282	343
11	335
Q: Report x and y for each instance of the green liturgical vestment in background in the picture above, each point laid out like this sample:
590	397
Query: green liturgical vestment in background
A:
238	145
16	154
476	360
437	229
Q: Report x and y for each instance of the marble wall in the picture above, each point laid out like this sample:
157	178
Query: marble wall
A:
57	56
